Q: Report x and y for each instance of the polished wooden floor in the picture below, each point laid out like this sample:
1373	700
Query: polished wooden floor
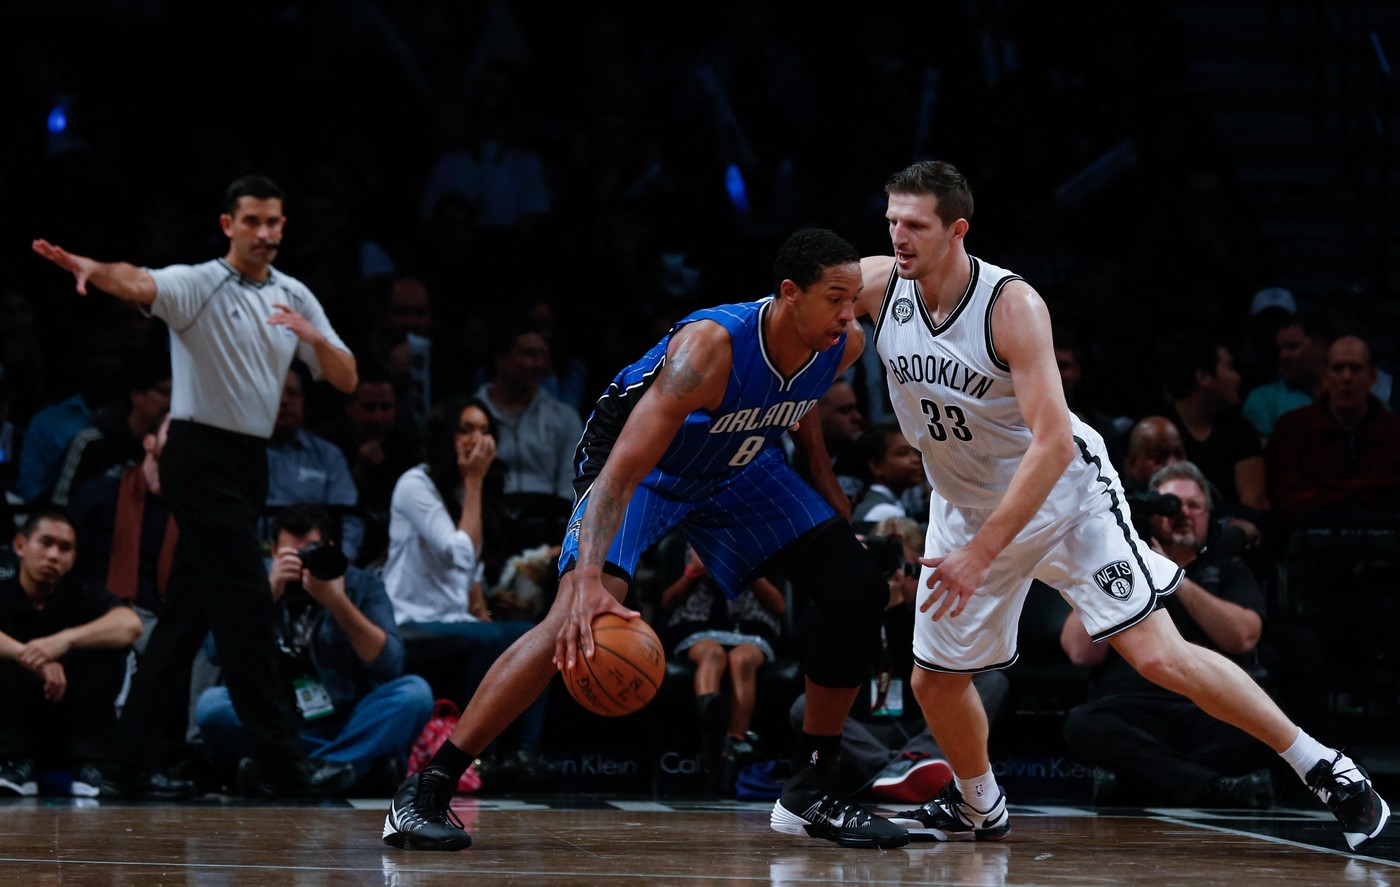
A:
587	841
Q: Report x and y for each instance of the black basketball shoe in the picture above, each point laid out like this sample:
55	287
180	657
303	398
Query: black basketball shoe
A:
806	809
421	817
950	818
17	778
1345	787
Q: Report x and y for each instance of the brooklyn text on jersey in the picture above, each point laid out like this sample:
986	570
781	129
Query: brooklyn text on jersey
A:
935	370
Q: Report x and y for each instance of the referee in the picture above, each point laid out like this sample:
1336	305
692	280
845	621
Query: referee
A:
235	325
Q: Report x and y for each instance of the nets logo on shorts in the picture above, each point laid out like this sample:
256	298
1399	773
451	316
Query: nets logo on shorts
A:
903	309
1116	580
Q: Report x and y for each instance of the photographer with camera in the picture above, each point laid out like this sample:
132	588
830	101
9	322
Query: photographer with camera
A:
1148	744
887	751
338	649
1153	444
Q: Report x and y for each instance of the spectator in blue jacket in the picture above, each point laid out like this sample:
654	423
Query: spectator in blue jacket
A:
340	653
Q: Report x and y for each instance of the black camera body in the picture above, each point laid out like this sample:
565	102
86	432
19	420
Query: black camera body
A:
324	561
1143	506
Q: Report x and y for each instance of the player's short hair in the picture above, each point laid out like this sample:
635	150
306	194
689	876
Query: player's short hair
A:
254	185
940	179
805	255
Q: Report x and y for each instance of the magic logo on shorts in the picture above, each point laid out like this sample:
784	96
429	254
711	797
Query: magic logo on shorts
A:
1115	579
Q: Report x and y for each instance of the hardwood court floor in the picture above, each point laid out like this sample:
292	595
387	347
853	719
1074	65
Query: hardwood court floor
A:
587	841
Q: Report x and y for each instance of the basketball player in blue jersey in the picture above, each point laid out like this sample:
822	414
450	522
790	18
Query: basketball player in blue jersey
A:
1023	490
687	437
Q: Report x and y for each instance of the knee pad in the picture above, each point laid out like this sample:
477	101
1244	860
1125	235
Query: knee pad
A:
832	570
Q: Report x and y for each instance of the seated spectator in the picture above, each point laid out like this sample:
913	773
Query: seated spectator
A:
537	437
1151	745
304	467
1302	352
126	536
890	465
1153	443
723	638
1343	450
1336	470
444	530
115	437
887	750
341	654
842	424
1256	352
408	343
63	651
567	381
379	445
50	430
1204	389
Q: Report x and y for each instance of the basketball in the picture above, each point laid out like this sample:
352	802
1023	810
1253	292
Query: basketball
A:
625	671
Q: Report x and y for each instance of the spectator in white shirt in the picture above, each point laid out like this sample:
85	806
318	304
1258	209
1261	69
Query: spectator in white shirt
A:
443	532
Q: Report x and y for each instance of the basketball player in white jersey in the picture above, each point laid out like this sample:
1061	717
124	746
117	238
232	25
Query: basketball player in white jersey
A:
1022	490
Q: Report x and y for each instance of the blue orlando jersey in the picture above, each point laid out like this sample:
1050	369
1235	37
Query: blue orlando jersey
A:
759	404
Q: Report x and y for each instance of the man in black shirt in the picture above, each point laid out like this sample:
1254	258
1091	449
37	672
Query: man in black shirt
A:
62	660
1157	745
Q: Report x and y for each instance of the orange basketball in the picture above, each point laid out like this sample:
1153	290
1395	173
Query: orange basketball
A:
625	671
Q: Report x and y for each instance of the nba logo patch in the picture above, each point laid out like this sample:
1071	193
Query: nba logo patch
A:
903	309
1115	580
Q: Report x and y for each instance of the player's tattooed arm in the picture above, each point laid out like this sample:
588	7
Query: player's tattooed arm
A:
600	524
694	377
697	367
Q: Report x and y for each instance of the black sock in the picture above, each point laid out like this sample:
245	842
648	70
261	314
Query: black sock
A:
822	752
452	759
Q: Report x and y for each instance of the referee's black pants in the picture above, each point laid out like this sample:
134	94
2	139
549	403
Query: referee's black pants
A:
215	483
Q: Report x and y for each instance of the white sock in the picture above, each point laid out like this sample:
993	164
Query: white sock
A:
1304	754
980	792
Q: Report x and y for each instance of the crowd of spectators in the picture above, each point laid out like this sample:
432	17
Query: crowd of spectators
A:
497	203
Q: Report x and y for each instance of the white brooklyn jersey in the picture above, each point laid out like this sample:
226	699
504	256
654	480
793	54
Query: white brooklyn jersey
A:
953	395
